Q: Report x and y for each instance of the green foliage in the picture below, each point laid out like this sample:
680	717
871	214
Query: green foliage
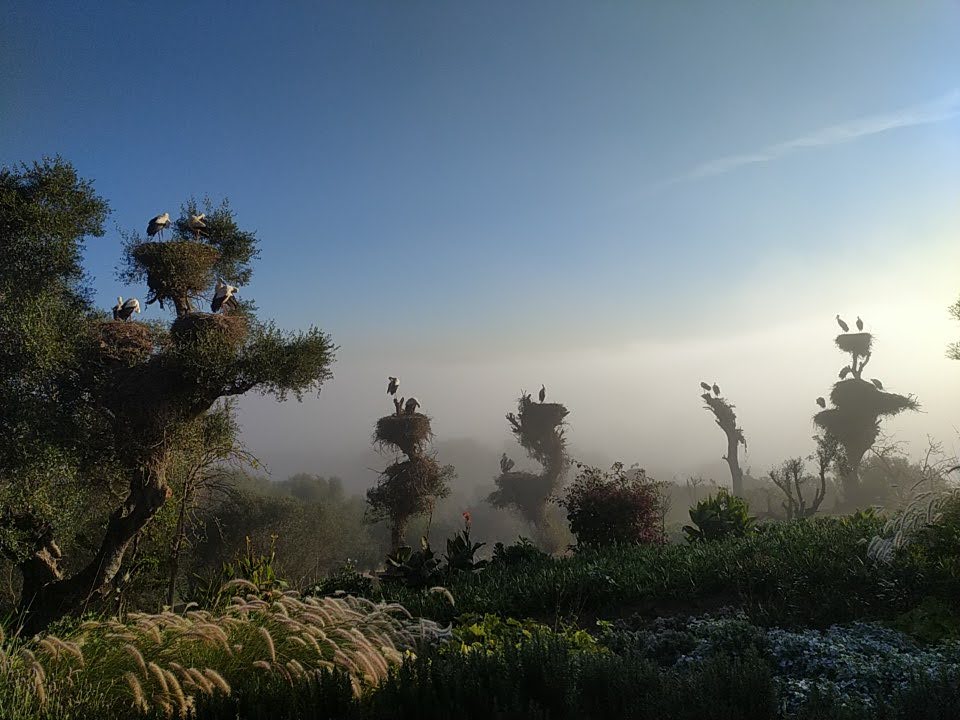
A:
613	507
933	620
346	580
520	552
461	551
490	634
254	567
414	569
719	516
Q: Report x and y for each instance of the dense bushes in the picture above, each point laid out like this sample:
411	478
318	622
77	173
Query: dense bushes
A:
613	507
719	516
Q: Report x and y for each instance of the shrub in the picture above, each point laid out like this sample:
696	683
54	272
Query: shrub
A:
614	507
345	580
414	569
522	551
719	516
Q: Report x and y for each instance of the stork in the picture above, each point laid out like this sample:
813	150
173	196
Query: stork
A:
196	223
506	464
704	386
846	371
842	324
716	390
224	295
158	224
706	397
123	310
877	383
392	385
411	406
859	323
543	393
821	402
398	404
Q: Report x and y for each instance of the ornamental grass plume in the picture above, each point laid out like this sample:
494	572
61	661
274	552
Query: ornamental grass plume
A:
166	662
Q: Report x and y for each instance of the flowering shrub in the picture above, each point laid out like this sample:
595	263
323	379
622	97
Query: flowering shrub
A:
615	507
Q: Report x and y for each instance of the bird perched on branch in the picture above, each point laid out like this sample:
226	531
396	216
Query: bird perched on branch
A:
842	324
196	223
716	390
224	295
821	402
506	464
158	224
392	385
705	386
411	406
123	310
543	393
859	323
877	383
398	404
846	371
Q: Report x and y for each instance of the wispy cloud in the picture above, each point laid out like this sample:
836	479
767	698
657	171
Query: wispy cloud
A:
942	108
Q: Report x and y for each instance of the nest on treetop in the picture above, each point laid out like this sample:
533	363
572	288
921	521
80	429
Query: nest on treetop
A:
122	343
199	328
721	409
525	491
409	487
408	432
176	269
540	419
856	343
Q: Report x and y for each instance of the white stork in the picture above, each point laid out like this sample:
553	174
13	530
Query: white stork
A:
704	386
123	310
543	393
821	402
842	324
716	390
411	406
158	225
859	323
877	383
392	385
224	295
846	371
196	223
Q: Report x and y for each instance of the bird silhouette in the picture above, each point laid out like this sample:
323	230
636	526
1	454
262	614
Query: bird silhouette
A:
716	390
842	324
821	402
846	371
877	383
859	323
392	385
543	393
704	386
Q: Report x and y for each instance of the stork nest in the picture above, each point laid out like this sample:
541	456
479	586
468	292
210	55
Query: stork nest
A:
858	343
721	409
120	343
204	328
539	419
524	491
409	487
176	269
408	432
858	407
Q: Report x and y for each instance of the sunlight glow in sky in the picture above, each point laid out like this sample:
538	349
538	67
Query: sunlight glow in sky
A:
614	199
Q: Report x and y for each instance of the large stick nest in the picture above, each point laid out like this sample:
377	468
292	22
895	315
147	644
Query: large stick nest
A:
540	419
203	328
409	487
524	491
176	269
122	343
408	432
857	343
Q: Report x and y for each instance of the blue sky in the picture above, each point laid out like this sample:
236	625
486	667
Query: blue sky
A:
490	187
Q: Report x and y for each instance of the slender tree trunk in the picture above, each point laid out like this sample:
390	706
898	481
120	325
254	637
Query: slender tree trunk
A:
397	533
178	542
48	596
733	460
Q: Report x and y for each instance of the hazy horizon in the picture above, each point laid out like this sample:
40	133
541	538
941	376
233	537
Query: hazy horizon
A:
615	200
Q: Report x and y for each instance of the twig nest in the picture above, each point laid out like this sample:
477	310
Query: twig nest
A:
205	328
408	432
857	343
722	410
176	269
410	486
542	418
122	343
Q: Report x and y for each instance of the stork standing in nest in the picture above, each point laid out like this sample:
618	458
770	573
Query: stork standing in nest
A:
158	224
411	406
196	224
123	310
543	393
224	296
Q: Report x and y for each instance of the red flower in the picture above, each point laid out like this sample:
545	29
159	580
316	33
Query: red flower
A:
466	517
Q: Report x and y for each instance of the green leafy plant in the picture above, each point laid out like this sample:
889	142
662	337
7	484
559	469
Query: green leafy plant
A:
719	516
522	551
414	569
461	551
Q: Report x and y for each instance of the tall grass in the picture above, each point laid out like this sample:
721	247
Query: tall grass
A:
163	664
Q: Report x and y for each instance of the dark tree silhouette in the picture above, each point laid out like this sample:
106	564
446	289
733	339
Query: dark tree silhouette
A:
726	419
407	487
858	407
538	427
134	387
